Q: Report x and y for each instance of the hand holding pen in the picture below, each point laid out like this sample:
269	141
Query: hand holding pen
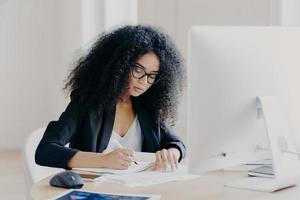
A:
118	145
119	158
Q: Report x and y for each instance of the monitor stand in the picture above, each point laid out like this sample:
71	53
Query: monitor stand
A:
286	164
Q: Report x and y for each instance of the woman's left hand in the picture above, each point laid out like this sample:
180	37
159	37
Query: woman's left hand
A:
166	158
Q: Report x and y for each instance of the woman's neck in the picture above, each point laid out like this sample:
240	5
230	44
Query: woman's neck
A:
125	103
125	108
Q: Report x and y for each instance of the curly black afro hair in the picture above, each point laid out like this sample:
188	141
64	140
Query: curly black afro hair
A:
101	76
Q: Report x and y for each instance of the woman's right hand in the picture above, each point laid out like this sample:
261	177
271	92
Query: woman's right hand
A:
120	158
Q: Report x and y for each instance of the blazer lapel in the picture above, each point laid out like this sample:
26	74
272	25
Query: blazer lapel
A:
150	141
95	123
106	130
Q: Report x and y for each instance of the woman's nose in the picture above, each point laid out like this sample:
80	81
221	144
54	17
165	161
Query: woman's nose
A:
143	80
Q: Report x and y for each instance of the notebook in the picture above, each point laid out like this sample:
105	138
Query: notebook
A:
147	178
144	161
139	167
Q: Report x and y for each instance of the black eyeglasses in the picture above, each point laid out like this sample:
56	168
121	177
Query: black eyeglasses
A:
138	71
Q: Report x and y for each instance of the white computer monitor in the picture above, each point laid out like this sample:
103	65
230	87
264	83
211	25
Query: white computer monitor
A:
228	68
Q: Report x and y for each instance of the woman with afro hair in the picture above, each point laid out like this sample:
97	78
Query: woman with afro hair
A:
124	96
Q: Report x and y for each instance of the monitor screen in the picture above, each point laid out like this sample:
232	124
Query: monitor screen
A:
228	68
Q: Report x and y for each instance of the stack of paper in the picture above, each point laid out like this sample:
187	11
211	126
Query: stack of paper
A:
147	178
140	166
139	175
144	161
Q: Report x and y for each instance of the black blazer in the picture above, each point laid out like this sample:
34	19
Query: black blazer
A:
89	130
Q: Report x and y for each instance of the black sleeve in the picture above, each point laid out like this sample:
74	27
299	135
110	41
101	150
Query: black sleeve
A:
170	140
51	150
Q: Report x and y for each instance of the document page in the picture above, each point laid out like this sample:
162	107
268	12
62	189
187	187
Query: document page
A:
147	178
143	161
140	166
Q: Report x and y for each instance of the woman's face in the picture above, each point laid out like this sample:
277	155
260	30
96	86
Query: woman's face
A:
139	82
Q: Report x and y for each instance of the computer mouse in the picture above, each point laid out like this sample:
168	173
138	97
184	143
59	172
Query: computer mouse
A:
67	179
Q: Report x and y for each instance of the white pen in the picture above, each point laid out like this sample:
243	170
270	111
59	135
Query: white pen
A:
120	146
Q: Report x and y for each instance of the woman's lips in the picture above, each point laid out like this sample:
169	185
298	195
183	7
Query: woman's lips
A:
139	90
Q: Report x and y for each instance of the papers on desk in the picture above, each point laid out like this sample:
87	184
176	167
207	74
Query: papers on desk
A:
140	166
139	175
147	178
144	162
144	156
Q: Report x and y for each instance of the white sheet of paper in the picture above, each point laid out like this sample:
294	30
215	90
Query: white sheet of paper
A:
149	178
144	161
141	166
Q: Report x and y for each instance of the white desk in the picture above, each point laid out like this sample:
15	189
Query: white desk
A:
209	186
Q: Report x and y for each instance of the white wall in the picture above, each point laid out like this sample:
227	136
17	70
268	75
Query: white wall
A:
92	21
40	40
177	16
40	43
288	12
117	12
37	40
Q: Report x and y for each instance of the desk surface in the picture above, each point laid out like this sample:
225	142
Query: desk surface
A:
209	186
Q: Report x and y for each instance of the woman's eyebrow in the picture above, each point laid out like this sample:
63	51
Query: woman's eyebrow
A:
145	67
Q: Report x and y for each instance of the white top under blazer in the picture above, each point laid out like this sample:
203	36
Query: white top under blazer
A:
132	138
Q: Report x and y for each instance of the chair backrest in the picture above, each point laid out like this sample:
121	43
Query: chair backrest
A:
33	172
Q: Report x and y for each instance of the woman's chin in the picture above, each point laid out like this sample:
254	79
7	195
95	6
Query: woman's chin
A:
136	94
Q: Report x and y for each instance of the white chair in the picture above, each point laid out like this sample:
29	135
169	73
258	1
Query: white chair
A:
33	172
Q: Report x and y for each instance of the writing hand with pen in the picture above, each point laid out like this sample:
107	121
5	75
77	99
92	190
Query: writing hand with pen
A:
120	158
